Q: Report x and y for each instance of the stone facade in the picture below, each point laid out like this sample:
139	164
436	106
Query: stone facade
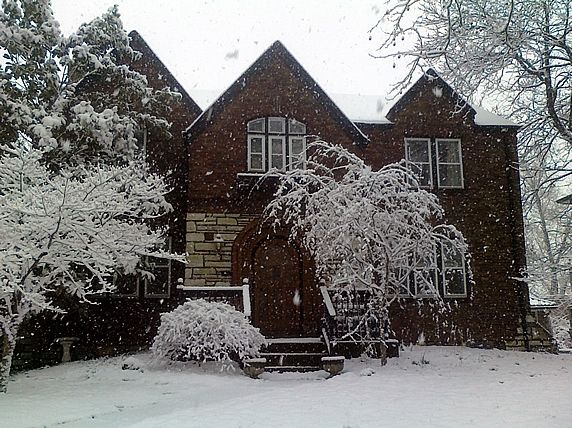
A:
210	238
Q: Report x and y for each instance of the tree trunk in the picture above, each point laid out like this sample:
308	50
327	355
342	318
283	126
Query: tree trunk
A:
8	346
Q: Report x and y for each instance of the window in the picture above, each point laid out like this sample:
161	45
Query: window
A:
418	156
446	269
276	142
449	163
454	275
436	161
159	286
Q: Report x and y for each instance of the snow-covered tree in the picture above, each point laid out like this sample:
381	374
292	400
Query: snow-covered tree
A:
74	94
73	198
206	331
365	228
517	55
68	233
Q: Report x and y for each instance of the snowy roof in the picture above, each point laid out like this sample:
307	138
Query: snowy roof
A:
364	108
486	118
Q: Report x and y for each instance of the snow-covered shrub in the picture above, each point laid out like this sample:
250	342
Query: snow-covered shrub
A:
200	330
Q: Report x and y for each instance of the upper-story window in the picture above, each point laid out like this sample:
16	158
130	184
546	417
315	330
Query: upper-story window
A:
276	142
436	161
418	155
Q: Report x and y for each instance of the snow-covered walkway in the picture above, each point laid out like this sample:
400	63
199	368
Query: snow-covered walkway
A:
425	387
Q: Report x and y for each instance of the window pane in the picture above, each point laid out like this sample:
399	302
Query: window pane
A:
256	125
277	161
297	152
450	176
256	144
256	162
295	127
277	146
276	125
159	286
448	151
424	282
297	146
417	150
452	257
126	285
455	282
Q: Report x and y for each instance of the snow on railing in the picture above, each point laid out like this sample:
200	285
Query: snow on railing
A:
223	293
246	297
328	301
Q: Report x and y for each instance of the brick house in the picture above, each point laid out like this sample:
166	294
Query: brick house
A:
467	156
260	121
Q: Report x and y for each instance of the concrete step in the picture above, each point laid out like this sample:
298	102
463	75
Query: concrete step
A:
284	369
297	345
294	354
297	359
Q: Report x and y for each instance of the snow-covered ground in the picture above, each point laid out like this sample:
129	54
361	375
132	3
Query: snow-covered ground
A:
425	387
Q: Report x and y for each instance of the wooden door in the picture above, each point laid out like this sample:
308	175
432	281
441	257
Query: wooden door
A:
277	287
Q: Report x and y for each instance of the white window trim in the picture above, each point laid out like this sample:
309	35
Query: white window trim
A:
271	154
460	163
303	154
429	162
444	270
250	137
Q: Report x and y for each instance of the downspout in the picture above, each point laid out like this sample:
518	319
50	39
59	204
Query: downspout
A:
519	260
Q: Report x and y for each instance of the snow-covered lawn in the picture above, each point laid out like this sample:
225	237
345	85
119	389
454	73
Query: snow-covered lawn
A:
425	387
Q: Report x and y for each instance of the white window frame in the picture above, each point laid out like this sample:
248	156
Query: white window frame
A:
460	163
408	141
163	263
250	137
445	268
271	154
299	160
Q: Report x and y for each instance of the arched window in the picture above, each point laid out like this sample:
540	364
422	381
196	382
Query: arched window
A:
276	142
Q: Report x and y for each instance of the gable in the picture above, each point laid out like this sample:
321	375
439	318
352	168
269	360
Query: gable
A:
433	96
266	65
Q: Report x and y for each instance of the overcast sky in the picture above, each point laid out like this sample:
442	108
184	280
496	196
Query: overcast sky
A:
207	44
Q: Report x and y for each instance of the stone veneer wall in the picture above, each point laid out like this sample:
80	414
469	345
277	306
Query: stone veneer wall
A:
209	247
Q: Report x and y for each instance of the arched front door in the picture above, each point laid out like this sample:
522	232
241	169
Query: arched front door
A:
277	288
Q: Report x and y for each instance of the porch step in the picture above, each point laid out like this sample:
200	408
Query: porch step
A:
294	354
295	345
289	369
